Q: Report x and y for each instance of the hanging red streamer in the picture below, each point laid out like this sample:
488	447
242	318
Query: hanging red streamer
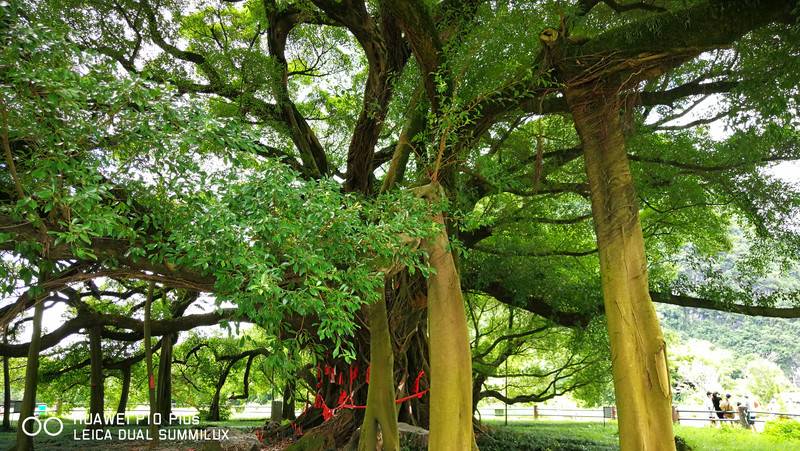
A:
345	400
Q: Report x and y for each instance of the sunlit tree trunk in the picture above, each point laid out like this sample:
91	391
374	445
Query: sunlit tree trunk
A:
414	125
381	409
641	379
450	358
96	381
24	441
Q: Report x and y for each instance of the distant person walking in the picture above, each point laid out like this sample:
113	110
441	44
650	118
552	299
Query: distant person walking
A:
716	400
710	407
749	406
727	407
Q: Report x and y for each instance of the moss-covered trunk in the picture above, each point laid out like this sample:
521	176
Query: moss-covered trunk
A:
381	409
24	441
450	358
641	379
97	392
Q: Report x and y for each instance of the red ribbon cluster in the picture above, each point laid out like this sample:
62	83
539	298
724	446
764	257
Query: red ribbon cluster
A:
345	400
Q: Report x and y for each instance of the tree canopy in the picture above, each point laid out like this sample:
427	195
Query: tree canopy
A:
592	154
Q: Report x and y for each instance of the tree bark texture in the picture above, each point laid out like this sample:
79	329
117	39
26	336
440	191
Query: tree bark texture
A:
451	361
164	385
641	378
148	353
381	411
97	382
125	390
289	400
24	441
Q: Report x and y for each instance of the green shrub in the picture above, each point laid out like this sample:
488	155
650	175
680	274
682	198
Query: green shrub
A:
783	428
224	413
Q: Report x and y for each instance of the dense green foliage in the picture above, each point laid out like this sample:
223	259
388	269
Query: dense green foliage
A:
239	148
194	197
784	428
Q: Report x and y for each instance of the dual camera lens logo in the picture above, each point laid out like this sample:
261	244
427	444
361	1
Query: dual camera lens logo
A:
39	426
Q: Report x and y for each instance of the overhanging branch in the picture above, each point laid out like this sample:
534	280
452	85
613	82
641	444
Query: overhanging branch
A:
749	310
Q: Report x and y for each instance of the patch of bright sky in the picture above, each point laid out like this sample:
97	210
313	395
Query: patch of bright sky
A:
788	171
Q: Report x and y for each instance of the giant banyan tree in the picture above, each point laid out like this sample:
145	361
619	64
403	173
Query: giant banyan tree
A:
359	179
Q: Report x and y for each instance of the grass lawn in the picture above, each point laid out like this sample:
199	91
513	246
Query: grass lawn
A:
527	436
733	439
595	432
596	437
233	423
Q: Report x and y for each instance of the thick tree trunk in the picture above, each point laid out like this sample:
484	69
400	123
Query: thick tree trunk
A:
407	319
213	409
451	361
97	392
415	411
330	435
641	378
477	387
331	379
164	386
288	400
24	441
125	390
148	357
407	303
381	411
6	386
